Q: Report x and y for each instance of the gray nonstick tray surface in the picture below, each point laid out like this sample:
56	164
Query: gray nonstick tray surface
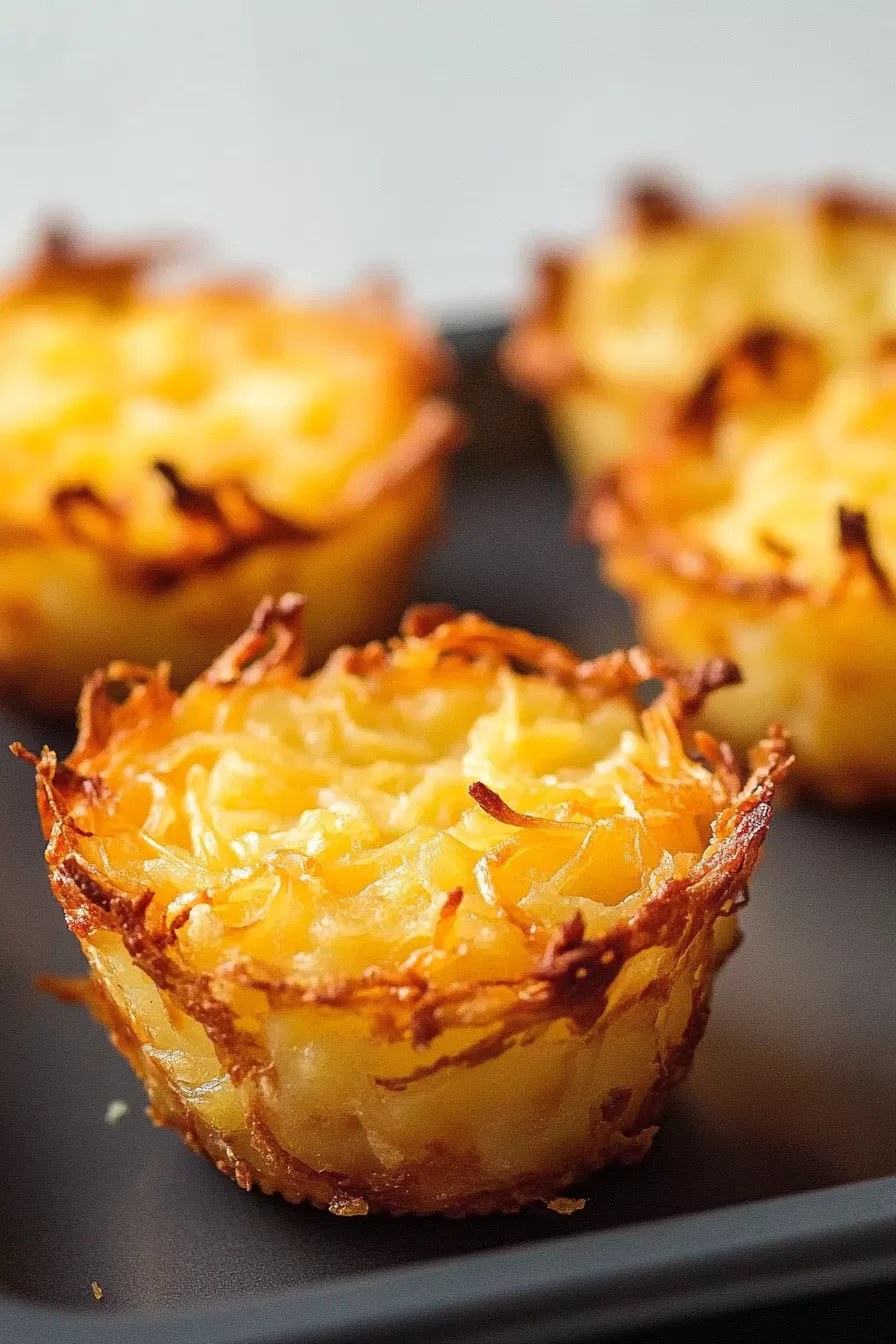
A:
773	1173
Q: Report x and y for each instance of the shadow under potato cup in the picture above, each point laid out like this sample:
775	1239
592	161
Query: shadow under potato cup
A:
759	524
434	929
169	456
623	322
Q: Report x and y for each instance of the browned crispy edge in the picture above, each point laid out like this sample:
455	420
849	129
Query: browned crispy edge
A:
223	520
64	264
536	355
622	510
570	979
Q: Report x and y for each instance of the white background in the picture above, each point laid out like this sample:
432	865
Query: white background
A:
440	137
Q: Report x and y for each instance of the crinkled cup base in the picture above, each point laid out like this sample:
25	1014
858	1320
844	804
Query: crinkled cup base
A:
512	1122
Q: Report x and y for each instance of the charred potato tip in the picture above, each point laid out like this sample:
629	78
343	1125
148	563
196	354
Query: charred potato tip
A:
171	455
431	930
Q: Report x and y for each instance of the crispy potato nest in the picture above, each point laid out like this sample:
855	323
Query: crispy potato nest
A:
759	524
643	312
169	456
432	930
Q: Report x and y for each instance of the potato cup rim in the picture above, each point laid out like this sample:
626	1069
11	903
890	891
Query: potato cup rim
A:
536	355
223	521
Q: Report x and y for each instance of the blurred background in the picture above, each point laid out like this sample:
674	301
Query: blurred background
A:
310	138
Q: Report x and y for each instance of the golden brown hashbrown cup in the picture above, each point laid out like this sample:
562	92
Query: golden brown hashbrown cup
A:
619	324
758	524
434	930
169	456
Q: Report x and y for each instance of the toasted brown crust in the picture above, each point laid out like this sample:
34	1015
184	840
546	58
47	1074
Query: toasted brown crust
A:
844	204
607	516
710	676
64	264
536	355
656	204
571	976
246	662
855	543
766	363
223	520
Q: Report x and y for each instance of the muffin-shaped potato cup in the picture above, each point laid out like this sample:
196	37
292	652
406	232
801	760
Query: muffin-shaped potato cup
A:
642	313
760	525
433	930
170	457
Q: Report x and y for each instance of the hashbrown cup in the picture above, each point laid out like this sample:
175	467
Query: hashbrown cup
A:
432	931
757	523
171	455
616	326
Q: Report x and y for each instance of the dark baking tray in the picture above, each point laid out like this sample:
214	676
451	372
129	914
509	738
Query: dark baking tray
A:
773	1174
